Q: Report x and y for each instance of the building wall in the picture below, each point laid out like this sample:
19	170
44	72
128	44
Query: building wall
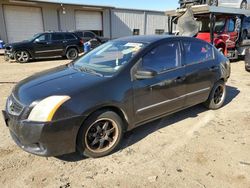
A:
116	22
50	18
156	21
3	33
125	21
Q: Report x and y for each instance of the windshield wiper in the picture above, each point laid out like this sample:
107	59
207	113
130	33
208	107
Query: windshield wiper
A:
91	71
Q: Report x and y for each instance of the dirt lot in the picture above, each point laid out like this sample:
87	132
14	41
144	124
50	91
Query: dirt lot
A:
193	148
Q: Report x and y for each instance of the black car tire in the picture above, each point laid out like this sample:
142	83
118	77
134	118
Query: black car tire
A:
243	5
247	69
212	2
22	56
100	135
244	35
72	53
217	96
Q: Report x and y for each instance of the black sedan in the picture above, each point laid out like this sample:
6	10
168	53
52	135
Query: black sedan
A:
87	105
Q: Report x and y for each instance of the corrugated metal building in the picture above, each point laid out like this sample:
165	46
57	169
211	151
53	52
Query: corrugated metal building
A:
20	20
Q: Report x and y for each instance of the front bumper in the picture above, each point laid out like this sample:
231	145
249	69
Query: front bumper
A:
44	138
8	55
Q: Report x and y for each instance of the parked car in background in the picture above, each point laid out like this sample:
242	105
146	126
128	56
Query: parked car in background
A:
88	104
247	60
242	4
246	28
45	45
94	39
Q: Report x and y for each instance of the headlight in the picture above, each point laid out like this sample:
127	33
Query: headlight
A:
45	109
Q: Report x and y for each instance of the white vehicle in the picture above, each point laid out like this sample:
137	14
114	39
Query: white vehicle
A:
243	4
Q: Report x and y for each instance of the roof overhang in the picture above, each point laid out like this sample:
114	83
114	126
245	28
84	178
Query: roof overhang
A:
62	3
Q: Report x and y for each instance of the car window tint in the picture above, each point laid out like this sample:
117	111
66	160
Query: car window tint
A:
163	57
57	36
197	52
88	34
69	36
79	34
44	37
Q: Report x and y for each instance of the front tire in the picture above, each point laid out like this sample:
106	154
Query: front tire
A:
22	56
72	53
100	135
217	96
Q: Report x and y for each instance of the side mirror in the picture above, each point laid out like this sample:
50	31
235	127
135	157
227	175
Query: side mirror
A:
145	74
39	42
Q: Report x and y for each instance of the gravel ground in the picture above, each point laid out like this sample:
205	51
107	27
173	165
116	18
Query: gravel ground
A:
192	148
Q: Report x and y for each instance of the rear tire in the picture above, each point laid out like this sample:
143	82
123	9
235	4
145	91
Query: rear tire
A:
72	53
100	135
217	96
244	35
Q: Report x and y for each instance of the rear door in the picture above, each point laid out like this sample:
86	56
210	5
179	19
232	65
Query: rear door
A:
201	70
165	92
58	43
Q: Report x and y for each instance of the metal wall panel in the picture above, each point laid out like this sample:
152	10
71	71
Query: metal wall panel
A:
67	19
3	33
156	21
124	21
50	18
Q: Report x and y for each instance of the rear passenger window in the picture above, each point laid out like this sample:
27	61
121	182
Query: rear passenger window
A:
57	36
162	58
69	36
197	52
88	34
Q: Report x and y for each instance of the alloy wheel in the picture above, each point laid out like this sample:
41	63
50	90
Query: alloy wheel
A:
101	135
218	95
22	56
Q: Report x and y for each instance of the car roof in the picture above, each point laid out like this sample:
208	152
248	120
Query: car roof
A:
152	38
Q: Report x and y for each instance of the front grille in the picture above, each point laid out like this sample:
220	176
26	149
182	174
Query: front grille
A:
14	107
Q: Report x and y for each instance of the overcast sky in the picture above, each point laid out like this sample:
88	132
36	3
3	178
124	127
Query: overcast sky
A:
161	5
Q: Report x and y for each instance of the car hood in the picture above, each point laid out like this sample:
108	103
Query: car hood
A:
17	44
62	80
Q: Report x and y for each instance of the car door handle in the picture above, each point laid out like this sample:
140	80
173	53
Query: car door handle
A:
65	41
180	79
213	68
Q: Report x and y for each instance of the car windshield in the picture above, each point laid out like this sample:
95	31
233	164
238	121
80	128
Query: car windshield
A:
34	37
218	28
108	58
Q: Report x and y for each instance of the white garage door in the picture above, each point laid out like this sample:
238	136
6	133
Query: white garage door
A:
22	22
88	20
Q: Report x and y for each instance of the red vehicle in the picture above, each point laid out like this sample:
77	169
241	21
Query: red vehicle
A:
219	25
226	34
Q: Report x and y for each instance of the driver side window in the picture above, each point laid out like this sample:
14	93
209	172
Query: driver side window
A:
162	58
44	37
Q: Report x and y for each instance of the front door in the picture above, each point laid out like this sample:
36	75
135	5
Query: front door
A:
42	45
165	92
